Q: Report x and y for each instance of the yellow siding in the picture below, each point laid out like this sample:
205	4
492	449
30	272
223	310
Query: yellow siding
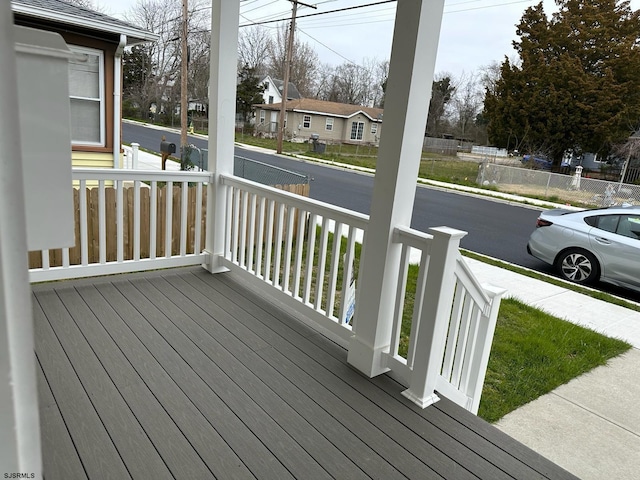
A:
93	160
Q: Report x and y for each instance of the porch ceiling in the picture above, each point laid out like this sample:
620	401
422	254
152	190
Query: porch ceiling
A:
184	374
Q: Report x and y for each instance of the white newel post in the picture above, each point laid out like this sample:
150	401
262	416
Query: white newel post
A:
19	414
135	149
225	16
431	335
415	44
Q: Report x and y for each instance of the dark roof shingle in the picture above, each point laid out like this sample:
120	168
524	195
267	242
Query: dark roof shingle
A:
60	11
323	107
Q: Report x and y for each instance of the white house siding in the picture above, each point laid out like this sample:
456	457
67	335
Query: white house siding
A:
341	131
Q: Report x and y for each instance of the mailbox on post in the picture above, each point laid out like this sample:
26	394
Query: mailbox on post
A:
166	149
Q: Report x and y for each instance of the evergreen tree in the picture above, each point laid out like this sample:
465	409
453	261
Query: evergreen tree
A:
249	92
138	83
442	91
576	86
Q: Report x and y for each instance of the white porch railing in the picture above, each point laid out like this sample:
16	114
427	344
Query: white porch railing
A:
166	232
453	344
287	245
295	245
299	251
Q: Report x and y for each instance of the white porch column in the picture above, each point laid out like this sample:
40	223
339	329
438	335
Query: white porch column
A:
225	16
19	419
413	56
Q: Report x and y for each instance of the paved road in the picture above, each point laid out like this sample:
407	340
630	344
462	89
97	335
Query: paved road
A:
494	228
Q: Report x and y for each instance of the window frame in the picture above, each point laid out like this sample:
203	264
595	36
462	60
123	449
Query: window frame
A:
101	99
328	125
357	131
306	121
374	128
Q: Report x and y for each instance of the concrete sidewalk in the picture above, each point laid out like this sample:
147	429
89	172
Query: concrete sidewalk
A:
590	426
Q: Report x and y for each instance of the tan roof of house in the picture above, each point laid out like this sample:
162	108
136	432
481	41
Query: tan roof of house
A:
322	107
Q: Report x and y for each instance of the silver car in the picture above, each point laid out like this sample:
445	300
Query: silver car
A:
589	245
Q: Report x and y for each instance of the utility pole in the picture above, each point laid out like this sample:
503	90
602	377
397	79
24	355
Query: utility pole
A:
184	96
287	68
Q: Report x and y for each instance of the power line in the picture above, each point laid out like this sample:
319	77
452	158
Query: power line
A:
483	7
488	6
325	13
328	48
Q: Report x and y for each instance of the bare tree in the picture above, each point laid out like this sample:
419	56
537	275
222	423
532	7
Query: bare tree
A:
466	104
324	82
90	4
304	61
354	84
253	49
164	17
380	76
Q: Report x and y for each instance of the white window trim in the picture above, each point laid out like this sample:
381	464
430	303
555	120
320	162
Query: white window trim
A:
358	123
306	123
101	88
263	116
374	128
328	126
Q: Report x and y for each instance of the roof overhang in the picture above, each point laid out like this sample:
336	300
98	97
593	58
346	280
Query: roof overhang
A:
276	107
134	35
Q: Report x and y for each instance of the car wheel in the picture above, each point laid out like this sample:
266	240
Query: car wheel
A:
578	266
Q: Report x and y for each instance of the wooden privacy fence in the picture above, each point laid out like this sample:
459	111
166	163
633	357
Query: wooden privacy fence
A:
93	225
151	246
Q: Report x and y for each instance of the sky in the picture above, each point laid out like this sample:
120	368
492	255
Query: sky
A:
474	34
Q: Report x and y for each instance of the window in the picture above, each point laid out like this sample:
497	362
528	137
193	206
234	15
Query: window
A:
625	225
86	91
262	116
629	226
374	128
329	124
306	121
357	129
270	98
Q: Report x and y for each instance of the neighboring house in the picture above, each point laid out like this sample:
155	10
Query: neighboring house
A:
589	161
333	122
274	88
95	73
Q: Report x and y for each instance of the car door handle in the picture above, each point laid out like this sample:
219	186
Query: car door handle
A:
603	241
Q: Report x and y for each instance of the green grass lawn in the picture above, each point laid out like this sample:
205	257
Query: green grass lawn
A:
533	353
432	166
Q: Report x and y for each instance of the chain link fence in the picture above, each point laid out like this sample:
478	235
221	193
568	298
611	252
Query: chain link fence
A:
556	187
266	174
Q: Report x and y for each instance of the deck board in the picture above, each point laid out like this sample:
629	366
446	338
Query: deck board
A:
95	448
183	374
63	460
357	390
247	369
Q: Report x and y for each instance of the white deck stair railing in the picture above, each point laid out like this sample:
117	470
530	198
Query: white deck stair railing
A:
452	323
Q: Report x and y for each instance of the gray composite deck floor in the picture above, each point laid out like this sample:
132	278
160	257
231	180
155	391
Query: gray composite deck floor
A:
183	374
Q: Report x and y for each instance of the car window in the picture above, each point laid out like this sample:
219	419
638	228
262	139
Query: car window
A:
608	223
629	226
